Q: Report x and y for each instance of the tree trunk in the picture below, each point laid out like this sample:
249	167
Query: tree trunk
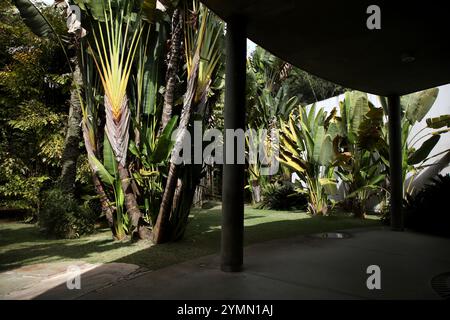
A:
104	201
73	135
182	201
199	194
161	230
139	230
359	209
256	191
172	66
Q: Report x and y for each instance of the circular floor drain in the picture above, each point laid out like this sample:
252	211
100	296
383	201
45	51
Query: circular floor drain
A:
331	235
441	284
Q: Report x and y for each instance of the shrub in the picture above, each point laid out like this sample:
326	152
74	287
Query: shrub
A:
63	217
279	196
427	211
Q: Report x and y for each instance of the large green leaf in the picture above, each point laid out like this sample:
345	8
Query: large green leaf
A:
151	69
422	153
149	102
96	8
377	179
295	164
33	18
148	10
104	175
417	105
108	157
326	151
358	107
318	141
329	185
369	134
165	143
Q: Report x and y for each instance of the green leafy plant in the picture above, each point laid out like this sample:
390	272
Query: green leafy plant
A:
64	217
307	148
356	137
282	196
33	90
416	149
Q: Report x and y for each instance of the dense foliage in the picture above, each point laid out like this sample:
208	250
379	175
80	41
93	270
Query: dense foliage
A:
62	215
427	210
34	84
282	196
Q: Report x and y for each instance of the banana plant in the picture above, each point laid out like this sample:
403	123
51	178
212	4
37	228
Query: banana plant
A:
255	180
307	148
357	137
33	18
416	150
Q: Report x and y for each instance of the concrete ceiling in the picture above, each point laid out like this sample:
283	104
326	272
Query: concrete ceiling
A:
330	39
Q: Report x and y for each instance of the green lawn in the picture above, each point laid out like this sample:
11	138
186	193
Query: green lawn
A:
22	244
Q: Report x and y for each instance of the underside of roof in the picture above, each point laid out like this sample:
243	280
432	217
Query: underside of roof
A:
330	39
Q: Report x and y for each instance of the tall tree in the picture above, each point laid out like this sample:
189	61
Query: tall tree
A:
73	133
114	64
176	49
203	46
37	22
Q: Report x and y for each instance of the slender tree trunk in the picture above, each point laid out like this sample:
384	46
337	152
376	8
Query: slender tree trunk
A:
161	230
139	230
104	201
256	191
172	66
199	194
73	135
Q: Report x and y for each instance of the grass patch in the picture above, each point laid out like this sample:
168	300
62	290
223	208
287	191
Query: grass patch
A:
23	244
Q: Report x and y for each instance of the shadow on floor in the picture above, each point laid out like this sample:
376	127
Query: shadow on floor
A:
292	268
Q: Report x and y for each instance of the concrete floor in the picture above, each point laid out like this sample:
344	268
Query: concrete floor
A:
29	282
295	268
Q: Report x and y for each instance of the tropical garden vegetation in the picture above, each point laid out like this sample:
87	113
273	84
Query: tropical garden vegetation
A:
89	107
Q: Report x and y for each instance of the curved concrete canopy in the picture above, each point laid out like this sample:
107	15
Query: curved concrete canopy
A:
330	39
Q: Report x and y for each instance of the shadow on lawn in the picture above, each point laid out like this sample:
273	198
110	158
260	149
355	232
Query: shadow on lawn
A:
202	238
24	244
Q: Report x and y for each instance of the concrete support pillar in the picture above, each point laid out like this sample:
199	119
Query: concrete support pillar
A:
395	160
233	173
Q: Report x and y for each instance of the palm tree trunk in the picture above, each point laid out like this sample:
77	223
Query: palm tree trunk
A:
73	135
172	66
